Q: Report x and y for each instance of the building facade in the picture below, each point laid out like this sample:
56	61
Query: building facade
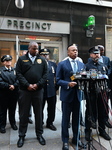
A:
54	25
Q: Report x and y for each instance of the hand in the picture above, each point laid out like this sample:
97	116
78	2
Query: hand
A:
11	87
30	87
72	84
35	86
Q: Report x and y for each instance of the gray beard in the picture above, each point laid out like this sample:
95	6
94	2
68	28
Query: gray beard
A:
95	59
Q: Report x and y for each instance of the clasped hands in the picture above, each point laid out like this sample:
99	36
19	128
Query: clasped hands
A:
32	87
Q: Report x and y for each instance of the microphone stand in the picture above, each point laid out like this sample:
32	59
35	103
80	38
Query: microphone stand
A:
82	84
89	143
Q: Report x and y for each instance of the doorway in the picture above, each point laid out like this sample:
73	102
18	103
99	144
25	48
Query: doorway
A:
55	49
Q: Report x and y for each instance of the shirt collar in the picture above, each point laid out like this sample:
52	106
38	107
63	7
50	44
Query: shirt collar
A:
7	68
30	56
70	59
101	59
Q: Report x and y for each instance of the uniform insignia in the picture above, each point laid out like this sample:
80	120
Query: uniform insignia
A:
14	72
45	50
104	68
52	69
39	61
25	60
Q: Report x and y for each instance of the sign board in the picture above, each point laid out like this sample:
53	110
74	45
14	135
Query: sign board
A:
34	25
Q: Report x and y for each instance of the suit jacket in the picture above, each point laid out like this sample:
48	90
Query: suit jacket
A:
63	74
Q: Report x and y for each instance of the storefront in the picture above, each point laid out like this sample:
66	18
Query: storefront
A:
18	32
55	25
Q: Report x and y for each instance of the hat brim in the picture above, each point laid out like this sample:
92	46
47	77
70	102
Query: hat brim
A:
7	59
44	53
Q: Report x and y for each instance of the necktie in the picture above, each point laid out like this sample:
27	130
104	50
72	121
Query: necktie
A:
74	66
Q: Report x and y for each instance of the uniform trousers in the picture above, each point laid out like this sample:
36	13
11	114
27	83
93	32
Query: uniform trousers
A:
8	101
28	98
68	108
94	110
51	108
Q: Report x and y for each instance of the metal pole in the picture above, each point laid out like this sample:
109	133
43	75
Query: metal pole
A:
17	46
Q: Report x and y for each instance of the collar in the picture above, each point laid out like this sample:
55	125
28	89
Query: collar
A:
7	68
30	56
70	59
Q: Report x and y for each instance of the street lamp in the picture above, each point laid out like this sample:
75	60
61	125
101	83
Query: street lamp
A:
19	4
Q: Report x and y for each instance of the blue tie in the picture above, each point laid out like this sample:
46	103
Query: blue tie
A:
74	66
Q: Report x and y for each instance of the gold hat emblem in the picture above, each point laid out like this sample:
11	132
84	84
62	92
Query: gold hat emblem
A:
45	50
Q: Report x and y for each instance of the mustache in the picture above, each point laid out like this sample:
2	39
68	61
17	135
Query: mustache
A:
95	59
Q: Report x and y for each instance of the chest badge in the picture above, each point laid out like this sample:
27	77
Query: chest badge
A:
25	60
39	61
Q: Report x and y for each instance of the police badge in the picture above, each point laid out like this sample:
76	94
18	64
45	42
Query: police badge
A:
39	61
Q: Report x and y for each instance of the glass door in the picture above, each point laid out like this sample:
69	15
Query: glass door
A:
54	51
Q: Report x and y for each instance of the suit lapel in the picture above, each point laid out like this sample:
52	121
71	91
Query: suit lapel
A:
78	66
68	65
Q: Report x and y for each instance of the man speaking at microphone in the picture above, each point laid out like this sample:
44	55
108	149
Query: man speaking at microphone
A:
70	96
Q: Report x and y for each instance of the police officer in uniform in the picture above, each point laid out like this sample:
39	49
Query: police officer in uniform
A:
94	100
50	90
8	93
106	61
32	74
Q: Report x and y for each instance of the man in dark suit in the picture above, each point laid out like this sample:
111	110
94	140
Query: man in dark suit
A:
50	88
70	96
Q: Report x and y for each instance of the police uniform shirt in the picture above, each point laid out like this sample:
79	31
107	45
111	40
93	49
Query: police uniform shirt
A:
32	58
96	65
9	69
101	59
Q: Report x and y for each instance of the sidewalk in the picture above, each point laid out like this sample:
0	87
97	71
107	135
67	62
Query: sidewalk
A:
8	141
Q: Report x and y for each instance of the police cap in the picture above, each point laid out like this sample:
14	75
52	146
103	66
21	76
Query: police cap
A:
94	50
6	58
44	51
